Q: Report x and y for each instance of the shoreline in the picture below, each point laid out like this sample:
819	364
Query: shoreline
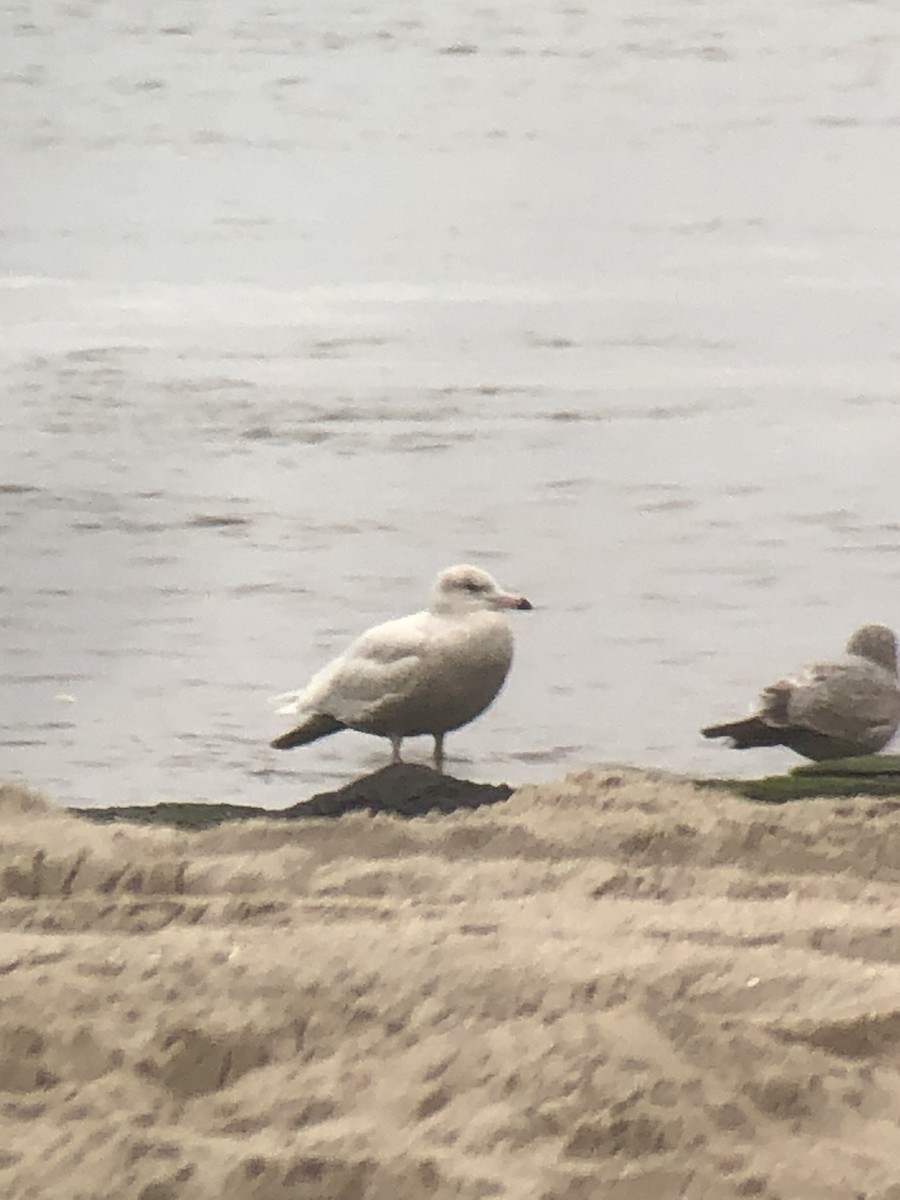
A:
414	790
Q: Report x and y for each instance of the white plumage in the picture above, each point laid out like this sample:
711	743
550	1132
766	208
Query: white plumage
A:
427	673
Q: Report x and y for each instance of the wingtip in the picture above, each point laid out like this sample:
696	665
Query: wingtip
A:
719	731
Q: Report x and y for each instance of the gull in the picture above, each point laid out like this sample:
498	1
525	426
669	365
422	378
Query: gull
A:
829	709
428	673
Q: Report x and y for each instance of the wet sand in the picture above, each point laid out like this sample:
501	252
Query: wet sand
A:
613	986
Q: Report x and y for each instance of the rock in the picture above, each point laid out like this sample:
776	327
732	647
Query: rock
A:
406	789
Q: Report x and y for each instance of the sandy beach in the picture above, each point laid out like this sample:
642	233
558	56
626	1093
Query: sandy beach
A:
615	986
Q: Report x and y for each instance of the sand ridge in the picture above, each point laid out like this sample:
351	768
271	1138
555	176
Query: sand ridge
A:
618	985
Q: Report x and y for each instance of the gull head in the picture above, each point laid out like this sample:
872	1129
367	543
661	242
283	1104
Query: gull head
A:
462	589
877	644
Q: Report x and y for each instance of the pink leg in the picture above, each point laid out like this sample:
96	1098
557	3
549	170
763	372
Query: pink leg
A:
395	751
439	752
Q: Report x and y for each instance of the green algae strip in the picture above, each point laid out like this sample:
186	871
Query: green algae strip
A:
867	775
780	789
865	764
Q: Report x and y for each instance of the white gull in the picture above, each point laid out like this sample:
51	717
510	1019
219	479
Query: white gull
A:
428	673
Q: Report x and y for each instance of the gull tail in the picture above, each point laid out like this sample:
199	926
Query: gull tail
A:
744	734
317	725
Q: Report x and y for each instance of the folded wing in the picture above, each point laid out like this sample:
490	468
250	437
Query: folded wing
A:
854	702
381	666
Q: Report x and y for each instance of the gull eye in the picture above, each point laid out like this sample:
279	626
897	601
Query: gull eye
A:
473	586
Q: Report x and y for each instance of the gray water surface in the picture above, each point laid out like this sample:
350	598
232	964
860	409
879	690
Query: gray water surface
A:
300	307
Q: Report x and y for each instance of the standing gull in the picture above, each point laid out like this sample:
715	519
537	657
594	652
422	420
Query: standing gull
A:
831	709
428	673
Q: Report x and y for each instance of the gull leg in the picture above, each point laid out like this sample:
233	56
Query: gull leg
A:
395	750
439	752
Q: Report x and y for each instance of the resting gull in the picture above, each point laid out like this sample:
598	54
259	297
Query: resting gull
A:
830	709
424	674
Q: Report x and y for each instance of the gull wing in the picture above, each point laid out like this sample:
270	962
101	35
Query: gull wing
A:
853	700
382	665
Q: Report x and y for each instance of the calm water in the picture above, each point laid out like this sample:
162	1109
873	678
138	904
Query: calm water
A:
298	309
